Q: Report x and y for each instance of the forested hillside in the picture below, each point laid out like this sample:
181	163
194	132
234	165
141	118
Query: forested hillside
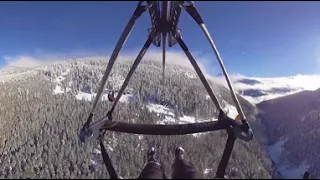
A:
292	124
42	111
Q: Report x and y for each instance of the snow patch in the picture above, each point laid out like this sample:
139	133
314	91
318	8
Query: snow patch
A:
190	75
275	150
93	162
127	98
58	90
110	148
140	137
85	96
170	118
167	120
230	109
197	134
207	171
96	151
285	169
160	109
187	119
293	172
58	80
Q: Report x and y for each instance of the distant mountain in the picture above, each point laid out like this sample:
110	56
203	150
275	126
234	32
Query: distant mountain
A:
292	124
249	81
288	119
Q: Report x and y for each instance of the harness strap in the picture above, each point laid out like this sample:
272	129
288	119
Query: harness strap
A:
107	161
226	154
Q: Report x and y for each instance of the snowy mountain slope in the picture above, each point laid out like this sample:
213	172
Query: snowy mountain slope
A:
174	72
256	90
292	125
253	89
16	74
42	114
285	169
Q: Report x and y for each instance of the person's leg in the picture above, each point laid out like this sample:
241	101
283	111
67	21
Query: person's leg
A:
153	169
181	168
305	175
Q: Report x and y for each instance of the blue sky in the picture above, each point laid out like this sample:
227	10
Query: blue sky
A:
264	39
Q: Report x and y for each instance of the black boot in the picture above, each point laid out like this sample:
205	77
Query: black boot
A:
150	154
152	170
181	169
179	153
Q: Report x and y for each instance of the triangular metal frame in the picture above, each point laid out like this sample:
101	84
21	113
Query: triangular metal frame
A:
164	22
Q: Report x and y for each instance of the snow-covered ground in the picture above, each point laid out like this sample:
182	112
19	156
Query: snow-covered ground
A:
284	168
160	109
85	96
207	171
125	98
190	75
169	116
229	109
58	89
16	74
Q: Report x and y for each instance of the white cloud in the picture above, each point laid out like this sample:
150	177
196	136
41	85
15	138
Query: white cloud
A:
40	57
45	58
175	57
298	83
23	61
204	61
318	63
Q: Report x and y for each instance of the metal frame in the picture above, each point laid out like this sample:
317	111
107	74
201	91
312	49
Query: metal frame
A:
164	22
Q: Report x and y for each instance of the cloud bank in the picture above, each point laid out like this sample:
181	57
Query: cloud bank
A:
172	57
23	61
